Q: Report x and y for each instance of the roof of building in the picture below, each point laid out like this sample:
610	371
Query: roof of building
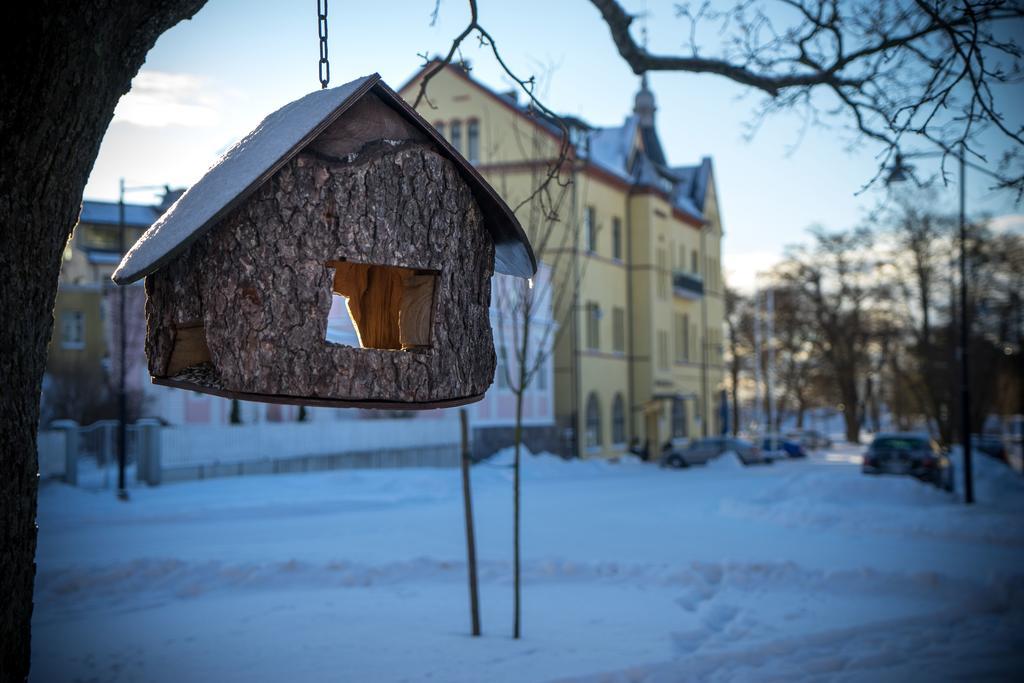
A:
612	148
277	139
107	213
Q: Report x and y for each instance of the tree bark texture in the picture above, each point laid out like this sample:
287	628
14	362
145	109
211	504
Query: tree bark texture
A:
261	284
65	65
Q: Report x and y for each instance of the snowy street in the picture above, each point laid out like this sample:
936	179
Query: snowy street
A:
802	570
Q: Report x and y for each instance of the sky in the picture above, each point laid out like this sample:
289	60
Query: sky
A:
209	81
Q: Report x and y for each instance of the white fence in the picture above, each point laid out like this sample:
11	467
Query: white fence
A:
194	445
169	454
51	446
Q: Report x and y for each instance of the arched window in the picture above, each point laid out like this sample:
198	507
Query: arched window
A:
618	420
679	426
593	435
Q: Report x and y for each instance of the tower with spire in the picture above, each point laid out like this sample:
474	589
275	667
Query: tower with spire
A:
644	109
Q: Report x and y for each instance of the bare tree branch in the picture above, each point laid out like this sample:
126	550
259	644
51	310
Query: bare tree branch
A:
901	70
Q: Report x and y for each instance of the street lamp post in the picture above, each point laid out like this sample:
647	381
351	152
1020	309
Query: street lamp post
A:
899	173
122	398
122	395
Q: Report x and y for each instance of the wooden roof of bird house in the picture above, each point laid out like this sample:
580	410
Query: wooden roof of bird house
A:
274	142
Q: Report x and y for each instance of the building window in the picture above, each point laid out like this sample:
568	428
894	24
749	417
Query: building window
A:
679	426
661	275
686	336
72	330
593	431
590	229
542	375
662	350
616	239
439	127
457	136
694	263
499	370
680	338
618	420
618	329
593	325
473	141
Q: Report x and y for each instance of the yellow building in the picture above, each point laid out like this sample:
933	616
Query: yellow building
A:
90	256
640	356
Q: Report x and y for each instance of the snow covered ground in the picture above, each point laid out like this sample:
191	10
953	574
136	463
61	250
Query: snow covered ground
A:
795	571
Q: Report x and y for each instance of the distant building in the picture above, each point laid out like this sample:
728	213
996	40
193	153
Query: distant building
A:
641	358
79	356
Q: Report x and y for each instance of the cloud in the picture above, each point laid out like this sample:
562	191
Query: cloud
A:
159	98
1009	222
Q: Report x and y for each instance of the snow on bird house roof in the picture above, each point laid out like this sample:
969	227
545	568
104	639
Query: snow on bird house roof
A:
278	138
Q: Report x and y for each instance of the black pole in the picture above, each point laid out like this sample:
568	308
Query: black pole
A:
122	402
965	396
705	416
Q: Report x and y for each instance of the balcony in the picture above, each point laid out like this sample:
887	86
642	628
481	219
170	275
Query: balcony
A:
687	285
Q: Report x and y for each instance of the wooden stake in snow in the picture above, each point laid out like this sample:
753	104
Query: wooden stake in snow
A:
467	499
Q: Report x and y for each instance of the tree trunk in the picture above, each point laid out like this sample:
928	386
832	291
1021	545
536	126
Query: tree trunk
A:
517	590
65	68
851	409
524	376
735	399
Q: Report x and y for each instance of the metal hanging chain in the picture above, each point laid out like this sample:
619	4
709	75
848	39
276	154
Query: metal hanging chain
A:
325	66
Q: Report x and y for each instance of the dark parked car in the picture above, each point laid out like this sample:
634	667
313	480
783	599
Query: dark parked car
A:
810	438
916	455
699	451
784	447
991	446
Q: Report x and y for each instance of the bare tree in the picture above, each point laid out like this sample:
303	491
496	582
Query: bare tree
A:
738	324
83	392
921	260
836	278
925	319
796	341
522	310
892	72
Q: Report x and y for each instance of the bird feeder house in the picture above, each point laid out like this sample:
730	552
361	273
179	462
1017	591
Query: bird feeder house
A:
349	192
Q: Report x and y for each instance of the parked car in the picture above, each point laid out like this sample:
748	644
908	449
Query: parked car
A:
810	439
778	447
916	455
699	451
991	446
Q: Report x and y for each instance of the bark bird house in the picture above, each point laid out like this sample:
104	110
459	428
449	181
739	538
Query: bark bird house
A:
346	191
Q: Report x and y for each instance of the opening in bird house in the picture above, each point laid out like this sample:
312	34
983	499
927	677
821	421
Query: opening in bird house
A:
189	347
390	307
